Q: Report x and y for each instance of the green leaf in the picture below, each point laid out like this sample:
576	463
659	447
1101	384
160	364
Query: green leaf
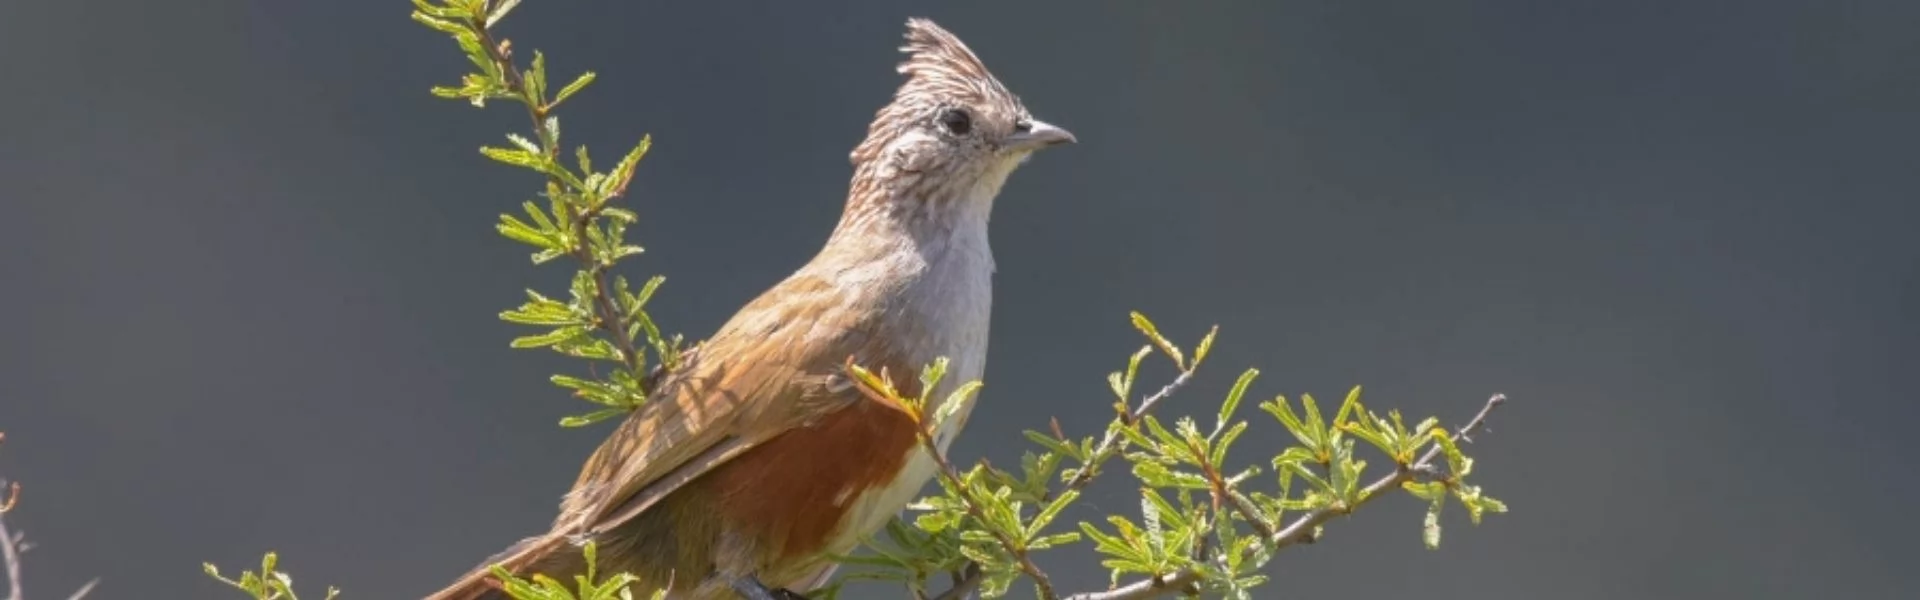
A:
1283	411
1051	510
646	293
1425	491
1294	454
1219	455
1347	407
1048	541
936	522
931	375
535	80
1206	345
540	218
1375	438
592	417
450	10
586	346
534	313
1345	472
439	24
1051	444
1313	421
1233	396
1146	327
500	11
517	231
551	129
1458	465
1122	382
1302	472
623	172
549	338
1158	475
1168	442
522	158
578	84
955	401
1430	526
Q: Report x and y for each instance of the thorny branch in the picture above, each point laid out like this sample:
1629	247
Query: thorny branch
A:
1301	529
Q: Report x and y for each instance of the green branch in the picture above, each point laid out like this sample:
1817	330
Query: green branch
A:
605	319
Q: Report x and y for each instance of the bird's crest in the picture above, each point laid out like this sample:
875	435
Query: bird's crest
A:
940	65
940	69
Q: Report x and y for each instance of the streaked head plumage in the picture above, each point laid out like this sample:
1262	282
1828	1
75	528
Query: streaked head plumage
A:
952	125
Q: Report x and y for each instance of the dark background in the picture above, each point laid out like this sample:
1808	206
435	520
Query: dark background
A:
250	279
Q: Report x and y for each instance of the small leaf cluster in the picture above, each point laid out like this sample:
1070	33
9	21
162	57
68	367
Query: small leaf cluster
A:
1453	483
603	319
268	584
542	587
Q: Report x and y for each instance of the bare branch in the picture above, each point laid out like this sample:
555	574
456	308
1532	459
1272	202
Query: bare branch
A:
10	555
1300	529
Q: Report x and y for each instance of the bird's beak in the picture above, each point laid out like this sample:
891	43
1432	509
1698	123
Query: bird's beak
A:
1040	135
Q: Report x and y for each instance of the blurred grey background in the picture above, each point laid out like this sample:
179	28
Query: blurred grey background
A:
250	278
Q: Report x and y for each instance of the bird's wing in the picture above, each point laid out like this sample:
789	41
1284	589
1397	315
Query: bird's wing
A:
761	375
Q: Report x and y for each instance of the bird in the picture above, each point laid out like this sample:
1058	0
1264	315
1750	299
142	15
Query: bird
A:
758	457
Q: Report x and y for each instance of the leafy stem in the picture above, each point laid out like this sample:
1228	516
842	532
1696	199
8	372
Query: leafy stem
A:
988	509
605	319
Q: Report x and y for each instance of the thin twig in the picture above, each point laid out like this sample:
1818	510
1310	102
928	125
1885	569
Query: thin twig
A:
82	592
1114	442
10	555
1300	529
969	580
1239	504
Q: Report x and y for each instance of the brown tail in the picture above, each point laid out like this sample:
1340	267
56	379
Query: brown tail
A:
479	583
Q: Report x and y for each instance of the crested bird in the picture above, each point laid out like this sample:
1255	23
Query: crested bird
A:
758	457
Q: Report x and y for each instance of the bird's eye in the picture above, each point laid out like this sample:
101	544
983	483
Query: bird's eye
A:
957	121
1023	126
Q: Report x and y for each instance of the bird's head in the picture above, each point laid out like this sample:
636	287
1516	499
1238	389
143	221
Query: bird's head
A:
951	135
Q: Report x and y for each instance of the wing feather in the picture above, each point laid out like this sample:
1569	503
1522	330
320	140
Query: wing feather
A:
767	371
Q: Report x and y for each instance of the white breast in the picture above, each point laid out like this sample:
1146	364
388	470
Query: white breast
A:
955	289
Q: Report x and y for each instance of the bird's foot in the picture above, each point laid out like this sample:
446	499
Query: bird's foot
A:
750	588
